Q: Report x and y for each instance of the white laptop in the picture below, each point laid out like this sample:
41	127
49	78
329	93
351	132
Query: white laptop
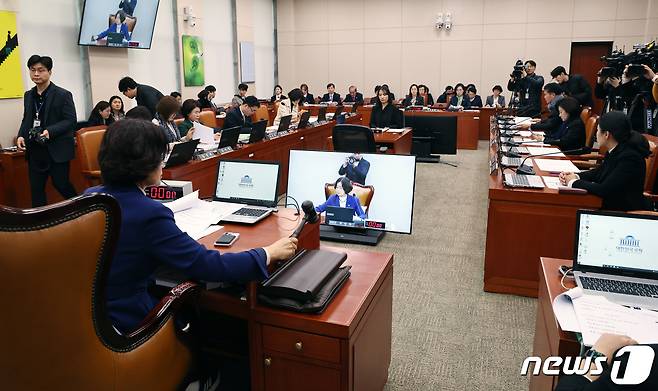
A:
251	183
616	256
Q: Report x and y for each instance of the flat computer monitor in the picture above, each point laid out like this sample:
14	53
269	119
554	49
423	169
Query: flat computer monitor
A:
247	182
440	132
383	184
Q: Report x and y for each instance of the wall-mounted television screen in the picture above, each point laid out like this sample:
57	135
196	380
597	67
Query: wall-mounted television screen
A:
118	23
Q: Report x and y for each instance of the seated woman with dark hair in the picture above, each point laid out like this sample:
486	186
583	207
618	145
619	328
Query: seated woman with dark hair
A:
619	180
278	94
119	27
424	92
117	108
191	112
474	100
342	198
413	99
291	105
384	113
101	114
571	134
164	117
458	102
131	158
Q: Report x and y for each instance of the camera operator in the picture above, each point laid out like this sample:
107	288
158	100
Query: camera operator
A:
47	131
529	86
573	85
607	88
636	90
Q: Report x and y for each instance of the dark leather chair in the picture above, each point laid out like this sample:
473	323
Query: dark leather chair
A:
353	138
56	333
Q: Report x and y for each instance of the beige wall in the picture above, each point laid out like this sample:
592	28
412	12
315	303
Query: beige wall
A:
369	42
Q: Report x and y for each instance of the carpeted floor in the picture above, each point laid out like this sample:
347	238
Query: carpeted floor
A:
448	334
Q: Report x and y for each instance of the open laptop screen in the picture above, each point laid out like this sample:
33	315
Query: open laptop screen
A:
247	182
617	243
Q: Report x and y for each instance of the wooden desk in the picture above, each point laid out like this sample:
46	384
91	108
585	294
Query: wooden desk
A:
203	174
15	183
485	121
347	347
524	225
467	125
550	339
397	143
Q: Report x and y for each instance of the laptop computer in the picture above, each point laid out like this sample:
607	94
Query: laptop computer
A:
115	39
303	120
322	114
229	137
337	113
249	182
257	131
341	217
181	153
284	124
616	256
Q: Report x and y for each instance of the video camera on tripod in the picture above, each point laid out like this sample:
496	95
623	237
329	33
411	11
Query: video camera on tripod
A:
519	68
642	54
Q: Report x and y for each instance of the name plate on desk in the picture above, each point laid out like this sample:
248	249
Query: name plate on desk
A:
224	150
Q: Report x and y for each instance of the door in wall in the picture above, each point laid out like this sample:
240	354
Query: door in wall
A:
586	61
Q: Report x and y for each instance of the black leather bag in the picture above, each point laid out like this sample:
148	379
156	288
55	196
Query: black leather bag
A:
306	283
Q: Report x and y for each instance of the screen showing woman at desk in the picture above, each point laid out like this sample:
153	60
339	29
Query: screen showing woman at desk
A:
342	198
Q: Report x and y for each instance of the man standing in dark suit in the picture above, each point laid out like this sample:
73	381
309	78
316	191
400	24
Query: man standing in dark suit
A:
307	98
529	87
47	131
331	95
241	115
354	96
145	95
128	6
574	85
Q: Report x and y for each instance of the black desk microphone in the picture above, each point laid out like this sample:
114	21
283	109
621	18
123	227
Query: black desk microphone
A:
527	170
310	216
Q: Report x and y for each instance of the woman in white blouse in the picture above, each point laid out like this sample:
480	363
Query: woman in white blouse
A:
292	105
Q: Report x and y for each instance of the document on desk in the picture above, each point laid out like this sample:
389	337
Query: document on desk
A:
593	315
540	151
394	130
555	165
552	182
203	133
198	218
520	120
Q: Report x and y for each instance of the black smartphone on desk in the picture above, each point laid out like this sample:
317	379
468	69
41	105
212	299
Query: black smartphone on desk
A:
227	239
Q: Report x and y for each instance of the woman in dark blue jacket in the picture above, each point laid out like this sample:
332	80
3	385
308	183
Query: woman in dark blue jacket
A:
343	198
130	159
118	27
571	134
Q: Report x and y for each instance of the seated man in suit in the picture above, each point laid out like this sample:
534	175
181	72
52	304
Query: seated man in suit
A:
331	96
342	198
238	98
241	115
354	96
119	27
549	125
355	168
307	98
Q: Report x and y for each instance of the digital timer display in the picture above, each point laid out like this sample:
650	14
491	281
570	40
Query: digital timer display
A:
161	193
375	224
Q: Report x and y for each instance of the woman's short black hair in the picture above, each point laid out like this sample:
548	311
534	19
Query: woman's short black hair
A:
130	151
96	112
203	94
460	85
472	89
497	87
140	112
295	95
117	97
345	183
188	106
281	88
122	15
571	106
210	88
167	106
617	123
176	94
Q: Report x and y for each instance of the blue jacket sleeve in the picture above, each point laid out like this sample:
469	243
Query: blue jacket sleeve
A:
104	33
331	201
357	207
177	249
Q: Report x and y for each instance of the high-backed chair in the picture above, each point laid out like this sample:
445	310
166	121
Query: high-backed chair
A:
353	138
261	114
56	333
208	118
131	21
363	193
178	121
88	144
584	114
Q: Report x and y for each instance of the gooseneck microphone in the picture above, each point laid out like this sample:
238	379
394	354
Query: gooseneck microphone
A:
310	216
528	170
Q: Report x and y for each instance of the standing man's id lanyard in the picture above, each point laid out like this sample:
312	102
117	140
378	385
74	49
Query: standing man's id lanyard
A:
37	121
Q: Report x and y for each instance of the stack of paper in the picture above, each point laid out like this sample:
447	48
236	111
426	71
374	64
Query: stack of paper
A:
198	218
203	133
555	165
593	316
552	182
394	130
542	151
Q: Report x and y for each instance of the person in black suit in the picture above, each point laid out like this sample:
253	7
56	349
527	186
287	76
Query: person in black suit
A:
241	115
474	100
529	87
574	85
459	102
413	99
145	95
307	98
424	92
128	6
278	94
549	125
331	95
446	96
47	132
385	114
101	114
354	96
571	133
607	346
619	180
375	99
390	93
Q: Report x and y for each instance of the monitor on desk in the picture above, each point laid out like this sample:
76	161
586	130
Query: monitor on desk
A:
383	184
439	131
247	182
